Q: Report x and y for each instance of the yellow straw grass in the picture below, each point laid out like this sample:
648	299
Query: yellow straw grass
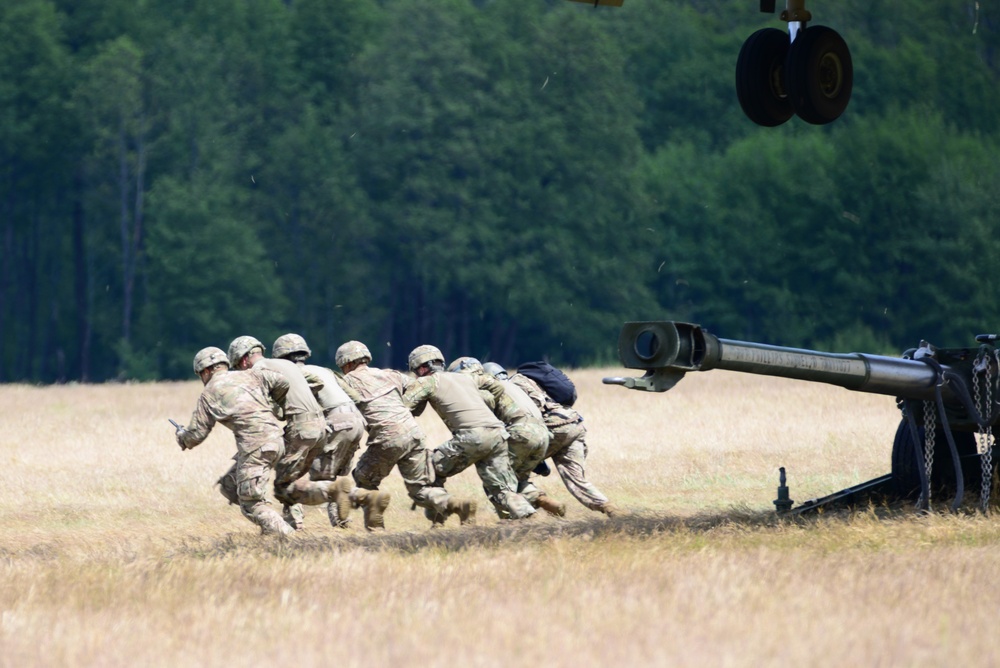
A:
116	550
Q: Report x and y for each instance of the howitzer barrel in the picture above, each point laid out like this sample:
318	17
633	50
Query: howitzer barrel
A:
666	350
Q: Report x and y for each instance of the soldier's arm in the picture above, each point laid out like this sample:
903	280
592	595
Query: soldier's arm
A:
349	389
198	427
419	391
533	391
276	386
489	399
502	403
316	383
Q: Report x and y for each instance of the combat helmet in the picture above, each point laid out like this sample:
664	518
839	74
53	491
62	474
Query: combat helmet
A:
209	357
241	345
495	370
466	365
421	355
286	344
352	351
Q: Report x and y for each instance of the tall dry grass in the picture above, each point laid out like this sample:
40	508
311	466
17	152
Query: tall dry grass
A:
115	549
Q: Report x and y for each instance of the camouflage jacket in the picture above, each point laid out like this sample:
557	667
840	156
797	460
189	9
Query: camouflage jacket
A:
554	414
378	394
241	401
455	398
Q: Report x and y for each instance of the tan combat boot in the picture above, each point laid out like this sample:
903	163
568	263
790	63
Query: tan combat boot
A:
373	504
551	506
611	510
464	508
340	506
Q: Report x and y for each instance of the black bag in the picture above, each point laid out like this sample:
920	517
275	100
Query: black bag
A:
554	382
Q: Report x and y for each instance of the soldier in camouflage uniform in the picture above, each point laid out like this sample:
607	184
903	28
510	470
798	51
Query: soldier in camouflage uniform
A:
306	431
477	436
567	447
346	424
528	438
394	437
242	402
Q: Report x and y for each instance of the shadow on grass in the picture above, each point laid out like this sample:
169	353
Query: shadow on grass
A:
457	539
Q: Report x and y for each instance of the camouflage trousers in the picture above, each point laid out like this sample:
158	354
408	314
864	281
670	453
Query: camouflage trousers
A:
527	445
305	438
485	448
335	460
408	452
245	484
568	450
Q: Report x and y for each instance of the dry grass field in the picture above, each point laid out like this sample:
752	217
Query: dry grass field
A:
116	550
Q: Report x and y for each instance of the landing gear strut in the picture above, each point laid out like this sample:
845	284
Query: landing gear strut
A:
807	72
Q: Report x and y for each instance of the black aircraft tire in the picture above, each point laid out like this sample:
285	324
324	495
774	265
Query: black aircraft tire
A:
819	75
906	475
760	74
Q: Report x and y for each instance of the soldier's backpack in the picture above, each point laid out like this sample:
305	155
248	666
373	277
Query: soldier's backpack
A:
554	382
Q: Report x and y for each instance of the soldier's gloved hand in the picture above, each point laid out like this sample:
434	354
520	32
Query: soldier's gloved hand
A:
179	435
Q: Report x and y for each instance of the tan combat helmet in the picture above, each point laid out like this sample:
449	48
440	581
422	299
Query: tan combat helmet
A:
421	355
495	370
286	344
208	357
241	345
352	351
466	365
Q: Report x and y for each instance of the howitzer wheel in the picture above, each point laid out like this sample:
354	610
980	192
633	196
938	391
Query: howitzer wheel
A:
906	475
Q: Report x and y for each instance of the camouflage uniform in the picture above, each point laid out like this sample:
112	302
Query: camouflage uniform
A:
567	448
394	438
529	438
241	401
477	435
306	434
346	424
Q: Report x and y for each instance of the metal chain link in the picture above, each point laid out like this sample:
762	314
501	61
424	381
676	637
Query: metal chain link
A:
983	400
984	404
930	426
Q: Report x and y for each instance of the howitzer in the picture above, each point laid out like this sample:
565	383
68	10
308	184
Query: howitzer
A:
945	395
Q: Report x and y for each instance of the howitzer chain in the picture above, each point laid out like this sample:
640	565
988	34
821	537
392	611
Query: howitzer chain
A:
930	427
984	430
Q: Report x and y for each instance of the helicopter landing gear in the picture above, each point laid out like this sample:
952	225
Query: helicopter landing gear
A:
807	72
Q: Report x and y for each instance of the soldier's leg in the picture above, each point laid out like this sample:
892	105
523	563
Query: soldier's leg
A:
527	445
427	490
252	474
499	481
334	463
303	442
227	483
335	459
373	466
418	474
457	454
570	461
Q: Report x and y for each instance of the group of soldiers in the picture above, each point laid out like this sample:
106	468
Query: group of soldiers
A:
303	424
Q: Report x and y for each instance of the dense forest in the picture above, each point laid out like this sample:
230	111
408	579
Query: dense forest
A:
508	179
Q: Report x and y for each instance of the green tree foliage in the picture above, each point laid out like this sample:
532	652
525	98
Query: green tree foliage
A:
502	179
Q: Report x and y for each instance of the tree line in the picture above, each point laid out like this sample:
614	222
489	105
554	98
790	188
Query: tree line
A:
509	180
